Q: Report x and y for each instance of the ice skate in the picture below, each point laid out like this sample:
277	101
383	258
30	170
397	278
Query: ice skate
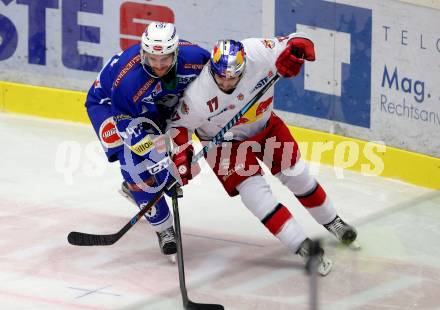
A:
345	233
324	265
167	243
125	191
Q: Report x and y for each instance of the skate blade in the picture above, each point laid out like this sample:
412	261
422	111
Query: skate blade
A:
325	266
172	258
355	246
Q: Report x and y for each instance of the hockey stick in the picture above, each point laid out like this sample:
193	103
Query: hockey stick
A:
84	239
312	265
218	138
187	303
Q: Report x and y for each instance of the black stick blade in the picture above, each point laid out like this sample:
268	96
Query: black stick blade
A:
83	239
190	305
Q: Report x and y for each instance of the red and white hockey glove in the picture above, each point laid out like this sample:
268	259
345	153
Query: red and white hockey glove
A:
183	158
290	61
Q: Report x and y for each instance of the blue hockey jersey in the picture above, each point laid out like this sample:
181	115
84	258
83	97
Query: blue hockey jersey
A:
142	104
126	96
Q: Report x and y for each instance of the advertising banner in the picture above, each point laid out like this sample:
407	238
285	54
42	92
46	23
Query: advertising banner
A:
375	77
64	43
376	71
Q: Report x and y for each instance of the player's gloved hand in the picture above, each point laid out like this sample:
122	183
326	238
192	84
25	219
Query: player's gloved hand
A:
290	61
164	179
183	160
183	157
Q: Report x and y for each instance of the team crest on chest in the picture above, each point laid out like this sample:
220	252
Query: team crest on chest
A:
240	96
150	98
268	43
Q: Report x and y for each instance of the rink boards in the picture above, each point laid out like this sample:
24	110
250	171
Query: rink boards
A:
368	158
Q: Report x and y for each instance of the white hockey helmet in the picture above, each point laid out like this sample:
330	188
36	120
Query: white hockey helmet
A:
159	39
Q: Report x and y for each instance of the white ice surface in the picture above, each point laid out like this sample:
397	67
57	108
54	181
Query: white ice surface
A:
230	258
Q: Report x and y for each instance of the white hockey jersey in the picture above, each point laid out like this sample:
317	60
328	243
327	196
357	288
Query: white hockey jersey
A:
206	109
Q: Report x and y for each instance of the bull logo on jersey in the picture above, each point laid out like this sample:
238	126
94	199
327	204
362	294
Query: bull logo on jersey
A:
255	113
263	106
268	43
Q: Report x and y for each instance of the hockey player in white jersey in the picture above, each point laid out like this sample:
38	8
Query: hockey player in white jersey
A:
236	72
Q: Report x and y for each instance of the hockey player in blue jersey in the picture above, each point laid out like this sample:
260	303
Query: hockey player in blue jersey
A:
129	104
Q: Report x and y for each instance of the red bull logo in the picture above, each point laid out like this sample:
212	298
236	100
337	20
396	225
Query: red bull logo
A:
242	120
262	107
240	57
216	54
268	43
255	113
